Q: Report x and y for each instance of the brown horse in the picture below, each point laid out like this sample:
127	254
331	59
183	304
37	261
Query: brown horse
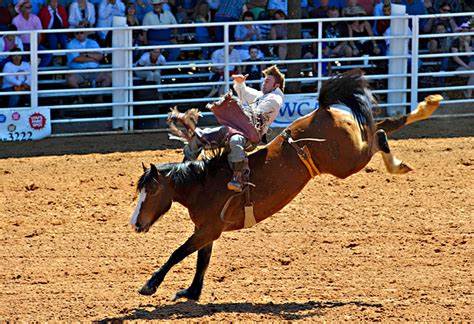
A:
341	137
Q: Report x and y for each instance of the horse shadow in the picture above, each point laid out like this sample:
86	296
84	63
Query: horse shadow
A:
190	310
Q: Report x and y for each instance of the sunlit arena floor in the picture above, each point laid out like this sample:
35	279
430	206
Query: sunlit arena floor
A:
371	247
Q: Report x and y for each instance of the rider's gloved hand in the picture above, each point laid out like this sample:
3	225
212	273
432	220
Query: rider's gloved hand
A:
239	78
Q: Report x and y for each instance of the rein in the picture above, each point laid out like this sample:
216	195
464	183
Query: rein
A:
303	153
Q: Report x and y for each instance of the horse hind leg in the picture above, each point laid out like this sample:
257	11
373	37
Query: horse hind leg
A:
393	165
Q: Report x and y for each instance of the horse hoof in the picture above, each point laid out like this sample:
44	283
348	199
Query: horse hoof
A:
186	293
147	291
405	168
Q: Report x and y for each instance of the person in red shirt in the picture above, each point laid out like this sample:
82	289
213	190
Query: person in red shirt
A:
54	16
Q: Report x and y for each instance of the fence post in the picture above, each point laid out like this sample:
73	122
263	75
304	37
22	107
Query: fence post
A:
320	54
131	122
398	27
120	78
34	68
414	62
226	56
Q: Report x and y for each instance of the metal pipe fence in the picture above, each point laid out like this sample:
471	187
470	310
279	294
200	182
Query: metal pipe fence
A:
126	102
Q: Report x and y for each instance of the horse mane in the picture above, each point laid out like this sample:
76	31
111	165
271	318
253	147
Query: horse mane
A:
189	172
352	90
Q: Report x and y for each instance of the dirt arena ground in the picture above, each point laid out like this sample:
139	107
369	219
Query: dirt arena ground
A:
371	247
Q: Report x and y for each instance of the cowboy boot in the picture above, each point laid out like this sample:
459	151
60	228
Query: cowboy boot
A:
236	184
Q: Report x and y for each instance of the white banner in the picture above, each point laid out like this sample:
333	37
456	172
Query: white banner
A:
294	107
24	124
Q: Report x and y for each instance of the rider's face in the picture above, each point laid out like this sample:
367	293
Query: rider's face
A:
269	84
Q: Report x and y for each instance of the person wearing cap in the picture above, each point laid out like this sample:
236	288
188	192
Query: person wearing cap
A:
81	13
161	36
35	5
20	82
27	21
54	16
85	60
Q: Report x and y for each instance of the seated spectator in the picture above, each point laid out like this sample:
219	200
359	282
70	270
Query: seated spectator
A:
463	44
202	14
54	16
28	21
455	5
246	33
332	3
16	82
257	7
138	36
429	7
368	6
415	8
362	28
36	5
228	11
277	5
9	43
85	60
218	70
254	71
151	58
448	22
382	25
353	9
142	7
81	13
336	29
439	44
280	32
321	11
161	36
107	10
5	16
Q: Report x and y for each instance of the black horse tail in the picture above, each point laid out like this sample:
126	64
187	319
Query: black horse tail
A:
352	90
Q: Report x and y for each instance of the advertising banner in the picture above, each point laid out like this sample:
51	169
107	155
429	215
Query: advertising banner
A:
24	124
294	107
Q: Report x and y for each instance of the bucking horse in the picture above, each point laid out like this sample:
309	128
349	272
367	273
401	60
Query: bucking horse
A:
338	138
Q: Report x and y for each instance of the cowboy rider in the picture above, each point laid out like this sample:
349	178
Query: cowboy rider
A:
264	104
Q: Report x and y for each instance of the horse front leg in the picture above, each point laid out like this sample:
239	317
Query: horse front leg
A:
194	291
201	238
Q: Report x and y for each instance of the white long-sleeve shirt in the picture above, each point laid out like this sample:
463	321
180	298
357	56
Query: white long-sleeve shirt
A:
75	15
10	81
106	13
265	106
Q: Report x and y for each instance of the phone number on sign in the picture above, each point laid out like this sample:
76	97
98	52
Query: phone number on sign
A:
18	136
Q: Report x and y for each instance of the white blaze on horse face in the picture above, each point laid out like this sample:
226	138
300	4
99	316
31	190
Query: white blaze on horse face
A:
141	199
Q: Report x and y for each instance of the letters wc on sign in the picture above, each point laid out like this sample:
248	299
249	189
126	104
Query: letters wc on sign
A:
294	107
24	124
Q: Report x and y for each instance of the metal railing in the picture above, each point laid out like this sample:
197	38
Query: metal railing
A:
123	104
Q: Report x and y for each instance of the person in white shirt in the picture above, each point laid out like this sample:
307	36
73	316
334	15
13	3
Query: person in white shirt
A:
165	36
264	105
16	82
218	57
151	58
81	13
7	43
107	10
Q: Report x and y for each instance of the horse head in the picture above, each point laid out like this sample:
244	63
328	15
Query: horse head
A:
154	199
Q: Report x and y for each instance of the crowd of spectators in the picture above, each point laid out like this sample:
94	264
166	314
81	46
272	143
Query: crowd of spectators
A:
26	15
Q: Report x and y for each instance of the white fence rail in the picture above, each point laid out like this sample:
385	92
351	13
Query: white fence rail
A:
399	74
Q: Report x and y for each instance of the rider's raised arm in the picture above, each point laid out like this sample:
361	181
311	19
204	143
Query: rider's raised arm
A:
246	94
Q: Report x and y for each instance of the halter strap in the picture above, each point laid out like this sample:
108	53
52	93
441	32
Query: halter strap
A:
303	153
